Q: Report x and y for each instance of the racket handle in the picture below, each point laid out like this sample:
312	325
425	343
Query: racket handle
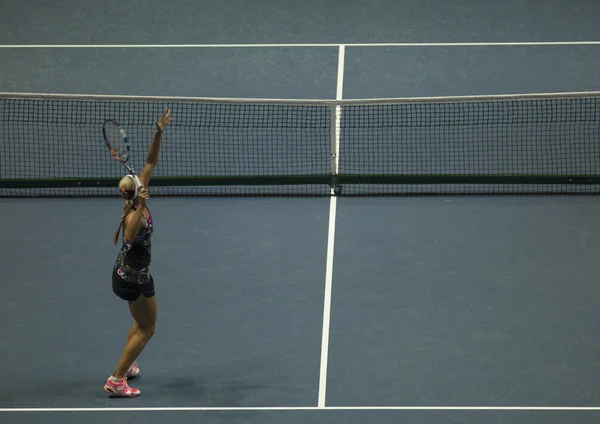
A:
138	183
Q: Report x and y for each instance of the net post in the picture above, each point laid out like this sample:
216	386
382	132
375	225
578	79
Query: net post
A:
335	112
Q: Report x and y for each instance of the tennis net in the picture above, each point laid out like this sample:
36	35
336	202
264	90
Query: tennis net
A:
52	145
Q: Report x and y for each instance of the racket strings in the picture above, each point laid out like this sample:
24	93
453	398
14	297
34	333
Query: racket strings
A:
117	145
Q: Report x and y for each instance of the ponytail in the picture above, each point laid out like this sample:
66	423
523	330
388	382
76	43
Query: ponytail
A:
126	209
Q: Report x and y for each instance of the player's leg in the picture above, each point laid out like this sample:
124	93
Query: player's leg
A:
143	310
142	304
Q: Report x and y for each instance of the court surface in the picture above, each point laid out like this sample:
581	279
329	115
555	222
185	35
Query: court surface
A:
420	310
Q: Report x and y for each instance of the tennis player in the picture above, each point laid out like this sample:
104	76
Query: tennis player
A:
131	279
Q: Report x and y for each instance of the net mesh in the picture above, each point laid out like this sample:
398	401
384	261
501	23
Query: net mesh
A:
535	145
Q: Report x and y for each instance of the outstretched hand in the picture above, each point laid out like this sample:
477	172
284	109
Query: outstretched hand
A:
164	120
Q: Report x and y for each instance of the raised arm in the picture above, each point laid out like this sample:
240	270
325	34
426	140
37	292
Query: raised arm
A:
133	222
152	156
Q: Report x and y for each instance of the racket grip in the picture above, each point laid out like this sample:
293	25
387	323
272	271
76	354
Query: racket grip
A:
138	183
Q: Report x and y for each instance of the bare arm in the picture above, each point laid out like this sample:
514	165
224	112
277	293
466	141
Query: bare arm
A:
152	156
133	221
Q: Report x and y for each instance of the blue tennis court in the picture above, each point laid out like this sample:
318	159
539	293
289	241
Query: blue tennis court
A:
421	309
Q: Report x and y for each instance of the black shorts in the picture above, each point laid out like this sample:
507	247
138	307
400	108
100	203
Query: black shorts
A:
131	291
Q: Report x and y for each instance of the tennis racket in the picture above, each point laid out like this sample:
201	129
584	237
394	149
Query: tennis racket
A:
117	142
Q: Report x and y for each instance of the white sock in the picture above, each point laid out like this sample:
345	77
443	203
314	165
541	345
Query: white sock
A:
115	379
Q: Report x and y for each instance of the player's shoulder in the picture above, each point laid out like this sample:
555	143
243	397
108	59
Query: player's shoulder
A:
132	218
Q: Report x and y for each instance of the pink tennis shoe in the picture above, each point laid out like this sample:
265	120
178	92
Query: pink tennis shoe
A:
120	388
133	371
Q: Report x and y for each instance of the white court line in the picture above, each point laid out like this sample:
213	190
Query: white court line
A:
314	408
331	240
277	45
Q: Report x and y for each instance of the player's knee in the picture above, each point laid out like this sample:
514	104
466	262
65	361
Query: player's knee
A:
148	332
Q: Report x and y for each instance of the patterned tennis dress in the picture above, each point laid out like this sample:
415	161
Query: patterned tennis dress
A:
133	261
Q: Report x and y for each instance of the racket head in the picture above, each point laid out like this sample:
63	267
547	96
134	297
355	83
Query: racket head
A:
117	141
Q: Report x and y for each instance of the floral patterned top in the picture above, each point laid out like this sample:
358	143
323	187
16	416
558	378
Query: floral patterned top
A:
133	261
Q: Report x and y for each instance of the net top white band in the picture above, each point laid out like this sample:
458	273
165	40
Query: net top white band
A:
300	102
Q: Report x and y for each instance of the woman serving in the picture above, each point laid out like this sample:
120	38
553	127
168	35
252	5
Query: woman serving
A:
131	278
